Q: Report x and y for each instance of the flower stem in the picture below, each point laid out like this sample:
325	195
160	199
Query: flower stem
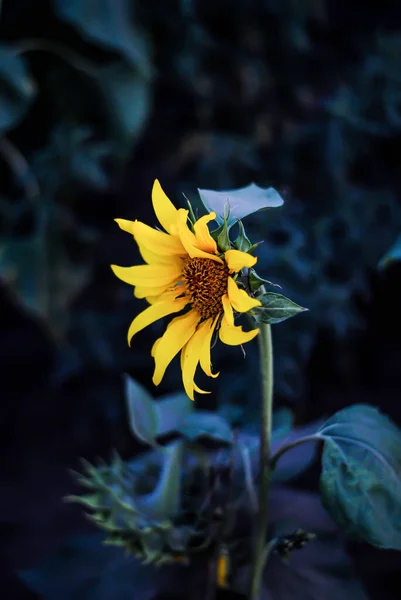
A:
261	521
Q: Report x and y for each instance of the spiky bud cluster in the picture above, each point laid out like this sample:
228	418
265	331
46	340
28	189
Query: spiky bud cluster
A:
112	502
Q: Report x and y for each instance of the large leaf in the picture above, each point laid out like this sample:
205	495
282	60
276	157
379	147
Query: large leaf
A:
276	308
361	476
109	23
239	203
206	424
85	569
17	89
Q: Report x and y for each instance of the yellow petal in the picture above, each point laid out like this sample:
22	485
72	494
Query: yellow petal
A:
189	240
237	260
240	300
142	291
234	336
125	225
191	356
157	241
164	209
198	389
150	276
177	334
205	360
169	293
204	239
182	365
228	310
154	313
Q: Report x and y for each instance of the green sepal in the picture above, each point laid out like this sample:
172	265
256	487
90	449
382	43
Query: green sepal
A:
242	242
275	308
255	281
221	234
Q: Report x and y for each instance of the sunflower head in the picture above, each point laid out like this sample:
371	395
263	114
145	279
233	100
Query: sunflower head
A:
187	273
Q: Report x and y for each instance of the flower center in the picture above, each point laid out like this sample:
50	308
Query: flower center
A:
205	284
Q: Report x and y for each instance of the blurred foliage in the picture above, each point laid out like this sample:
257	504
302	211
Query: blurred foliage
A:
180	503
218	102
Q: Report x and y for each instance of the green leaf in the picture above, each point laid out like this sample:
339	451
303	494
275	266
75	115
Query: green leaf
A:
171	410
276	308
206	424
361	477
164	501
17	89
255	281
142	414
223	239
394	254
109	23
128	99
241	202
242	242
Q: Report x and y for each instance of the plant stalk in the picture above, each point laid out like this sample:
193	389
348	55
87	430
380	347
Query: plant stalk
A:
261	521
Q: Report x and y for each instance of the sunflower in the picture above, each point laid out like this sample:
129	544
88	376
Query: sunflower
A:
185	272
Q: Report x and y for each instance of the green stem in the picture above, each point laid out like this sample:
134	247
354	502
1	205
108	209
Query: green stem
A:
261	521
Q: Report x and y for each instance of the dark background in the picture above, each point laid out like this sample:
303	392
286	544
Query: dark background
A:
97	99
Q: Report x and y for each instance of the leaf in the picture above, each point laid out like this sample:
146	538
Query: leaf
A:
205	424
242	242
394	254
86	569
276	308
142	414
128	99
164	501
241	202
171	410
109	23
361	477
17	89
255	281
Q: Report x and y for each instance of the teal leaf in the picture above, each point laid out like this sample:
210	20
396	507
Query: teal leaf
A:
164	501
17	89
394	254
242	242
111	24
240	202
361	475
206	424
142	414
276	308
84	568
127	97
171	410
255	281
